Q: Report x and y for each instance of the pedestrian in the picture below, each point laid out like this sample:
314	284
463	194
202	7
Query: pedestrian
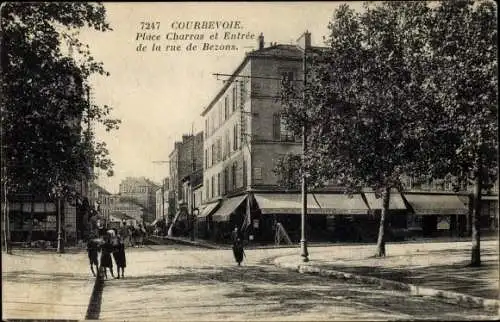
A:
119	256
238	250
93	253
124	233
106	261
131	233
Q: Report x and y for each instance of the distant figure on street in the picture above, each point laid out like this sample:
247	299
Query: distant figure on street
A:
131	233
93	253
119	256
124	234
238	250
106	261
140	232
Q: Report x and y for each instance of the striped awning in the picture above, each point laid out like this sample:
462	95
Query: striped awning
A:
228	207
436	204
317	203
207	210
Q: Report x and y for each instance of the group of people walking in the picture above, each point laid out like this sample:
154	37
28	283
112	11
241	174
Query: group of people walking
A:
110	246
133	236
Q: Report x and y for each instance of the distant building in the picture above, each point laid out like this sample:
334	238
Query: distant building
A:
186	175
142	192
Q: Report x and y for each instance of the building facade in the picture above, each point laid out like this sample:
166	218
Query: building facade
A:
141	192
186	174
244	137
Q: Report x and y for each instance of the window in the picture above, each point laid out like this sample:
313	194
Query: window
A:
226	180
234	167
212	187
235	137
219	149
218	184
206	159
281	131
235	97
206	127
244	173
287	77
213	154
226	108
219	121
227	143
207	195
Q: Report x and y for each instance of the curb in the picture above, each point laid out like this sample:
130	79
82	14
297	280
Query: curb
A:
94	307
187	242
454	297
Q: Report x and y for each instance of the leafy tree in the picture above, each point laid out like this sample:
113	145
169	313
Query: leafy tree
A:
463	79
403	88
364	100
47	144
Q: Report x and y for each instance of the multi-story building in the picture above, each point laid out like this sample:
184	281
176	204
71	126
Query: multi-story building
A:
186	173
162	200
245	133
142	192
244	137
115	208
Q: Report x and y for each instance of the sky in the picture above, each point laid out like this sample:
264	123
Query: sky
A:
159	95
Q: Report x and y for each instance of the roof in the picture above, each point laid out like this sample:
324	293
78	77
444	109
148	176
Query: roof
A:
98	187
280	51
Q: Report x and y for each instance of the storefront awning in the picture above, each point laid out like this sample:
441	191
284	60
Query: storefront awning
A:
435	204
396	202
317	203
207	210
228	207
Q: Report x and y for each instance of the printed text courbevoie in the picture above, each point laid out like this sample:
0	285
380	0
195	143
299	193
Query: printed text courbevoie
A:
236	24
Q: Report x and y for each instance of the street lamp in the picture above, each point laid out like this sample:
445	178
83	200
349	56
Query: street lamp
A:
306	38
57	191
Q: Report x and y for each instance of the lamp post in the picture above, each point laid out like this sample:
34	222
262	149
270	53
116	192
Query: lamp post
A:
306	38
58	194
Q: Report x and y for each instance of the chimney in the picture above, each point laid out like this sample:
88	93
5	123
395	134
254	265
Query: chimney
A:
261	41
307	39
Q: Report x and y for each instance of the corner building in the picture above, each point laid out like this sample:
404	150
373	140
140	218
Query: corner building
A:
244	136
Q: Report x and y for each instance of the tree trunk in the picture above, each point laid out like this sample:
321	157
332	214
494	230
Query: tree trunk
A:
386	195
476	222
5	211
30	228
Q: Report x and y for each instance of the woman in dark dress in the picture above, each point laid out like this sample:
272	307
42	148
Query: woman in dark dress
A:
106	261
238	251
119	256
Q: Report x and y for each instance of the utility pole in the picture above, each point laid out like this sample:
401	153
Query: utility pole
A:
303	241
191	182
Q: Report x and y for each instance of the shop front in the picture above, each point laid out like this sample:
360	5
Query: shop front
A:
438	214
325	214
229	215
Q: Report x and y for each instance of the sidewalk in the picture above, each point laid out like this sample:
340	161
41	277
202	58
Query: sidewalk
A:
436	269
42	285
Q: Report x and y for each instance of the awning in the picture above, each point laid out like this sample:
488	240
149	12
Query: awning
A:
317	203
495	198
228	207
435	204
396	202
155	221
207	210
